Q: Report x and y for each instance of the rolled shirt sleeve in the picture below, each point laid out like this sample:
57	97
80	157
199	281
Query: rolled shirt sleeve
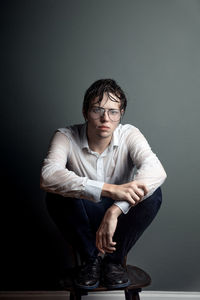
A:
123	205
149	169
93	190
56	178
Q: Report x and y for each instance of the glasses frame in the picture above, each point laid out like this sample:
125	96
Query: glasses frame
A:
103	110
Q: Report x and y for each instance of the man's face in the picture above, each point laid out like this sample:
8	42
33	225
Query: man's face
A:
101	124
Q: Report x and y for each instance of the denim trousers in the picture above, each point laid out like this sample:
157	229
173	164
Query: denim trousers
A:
79	219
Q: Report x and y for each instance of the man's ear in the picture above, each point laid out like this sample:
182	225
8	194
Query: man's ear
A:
122	112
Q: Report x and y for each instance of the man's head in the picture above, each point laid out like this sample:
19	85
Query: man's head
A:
98	90
103	106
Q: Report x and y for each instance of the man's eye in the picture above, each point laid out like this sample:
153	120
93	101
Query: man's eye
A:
96	110
114	112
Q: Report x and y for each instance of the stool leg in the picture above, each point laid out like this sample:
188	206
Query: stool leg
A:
71	296
132	294
75	296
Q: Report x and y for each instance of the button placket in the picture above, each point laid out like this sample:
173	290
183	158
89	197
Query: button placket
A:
100	169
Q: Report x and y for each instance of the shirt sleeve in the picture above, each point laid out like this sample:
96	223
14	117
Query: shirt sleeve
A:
149	169
123	205
56	178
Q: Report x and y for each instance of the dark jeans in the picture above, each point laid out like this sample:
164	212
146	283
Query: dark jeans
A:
79	219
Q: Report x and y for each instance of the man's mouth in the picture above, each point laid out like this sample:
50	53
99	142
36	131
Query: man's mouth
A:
103	127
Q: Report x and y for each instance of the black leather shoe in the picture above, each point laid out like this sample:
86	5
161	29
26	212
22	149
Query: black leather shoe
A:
114	276
89	275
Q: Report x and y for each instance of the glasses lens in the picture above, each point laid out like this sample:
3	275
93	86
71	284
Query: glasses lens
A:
97	112
114	115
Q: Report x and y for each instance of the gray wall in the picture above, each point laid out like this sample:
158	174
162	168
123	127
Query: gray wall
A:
52	51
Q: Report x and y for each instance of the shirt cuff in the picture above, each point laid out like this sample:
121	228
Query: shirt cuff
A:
123	205
93	190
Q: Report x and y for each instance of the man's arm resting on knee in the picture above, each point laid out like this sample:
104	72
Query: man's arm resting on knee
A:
104	235
132	192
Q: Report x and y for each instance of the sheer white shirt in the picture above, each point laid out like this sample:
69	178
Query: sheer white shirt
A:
71	169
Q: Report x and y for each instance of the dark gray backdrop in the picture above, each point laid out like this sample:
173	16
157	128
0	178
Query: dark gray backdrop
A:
51	51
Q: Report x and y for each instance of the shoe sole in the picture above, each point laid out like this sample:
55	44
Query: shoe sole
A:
118	286
86	287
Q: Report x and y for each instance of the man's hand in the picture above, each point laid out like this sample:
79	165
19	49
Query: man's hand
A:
104	235
132	192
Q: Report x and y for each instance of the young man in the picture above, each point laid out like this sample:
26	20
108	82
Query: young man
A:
104	185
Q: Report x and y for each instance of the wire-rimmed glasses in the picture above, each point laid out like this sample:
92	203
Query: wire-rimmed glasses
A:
98	112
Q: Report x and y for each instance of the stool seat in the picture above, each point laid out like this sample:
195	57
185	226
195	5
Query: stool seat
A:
138	277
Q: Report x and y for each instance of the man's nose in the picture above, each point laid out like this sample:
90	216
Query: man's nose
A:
104	115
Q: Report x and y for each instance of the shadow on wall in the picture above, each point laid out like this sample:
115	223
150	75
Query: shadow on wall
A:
33	253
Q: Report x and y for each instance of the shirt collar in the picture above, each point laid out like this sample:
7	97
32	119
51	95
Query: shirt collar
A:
83	137
115	139
84	141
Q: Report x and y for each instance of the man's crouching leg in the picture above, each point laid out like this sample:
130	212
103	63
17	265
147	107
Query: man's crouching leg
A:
129	228
78	221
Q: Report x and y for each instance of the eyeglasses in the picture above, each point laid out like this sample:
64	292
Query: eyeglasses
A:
98	112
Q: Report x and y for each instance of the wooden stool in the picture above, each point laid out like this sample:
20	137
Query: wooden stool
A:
138	277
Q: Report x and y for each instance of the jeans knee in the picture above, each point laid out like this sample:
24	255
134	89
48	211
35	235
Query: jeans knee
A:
157	196
154	201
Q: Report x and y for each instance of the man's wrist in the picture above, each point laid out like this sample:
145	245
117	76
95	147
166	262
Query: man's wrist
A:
107	190
114	211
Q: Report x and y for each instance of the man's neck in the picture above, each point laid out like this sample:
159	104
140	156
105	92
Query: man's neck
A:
99	144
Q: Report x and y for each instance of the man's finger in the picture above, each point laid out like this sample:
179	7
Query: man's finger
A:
104	242
143	187
130	200
140	192
110	244
108	239
109	249
135	197
100	248
99	241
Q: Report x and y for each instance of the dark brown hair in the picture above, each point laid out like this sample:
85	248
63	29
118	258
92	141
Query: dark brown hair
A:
98	88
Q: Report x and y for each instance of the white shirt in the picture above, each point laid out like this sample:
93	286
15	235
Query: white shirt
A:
71	169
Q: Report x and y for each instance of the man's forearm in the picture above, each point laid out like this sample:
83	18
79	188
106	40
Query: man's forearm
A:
105	233
113	211
107	190
132	192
